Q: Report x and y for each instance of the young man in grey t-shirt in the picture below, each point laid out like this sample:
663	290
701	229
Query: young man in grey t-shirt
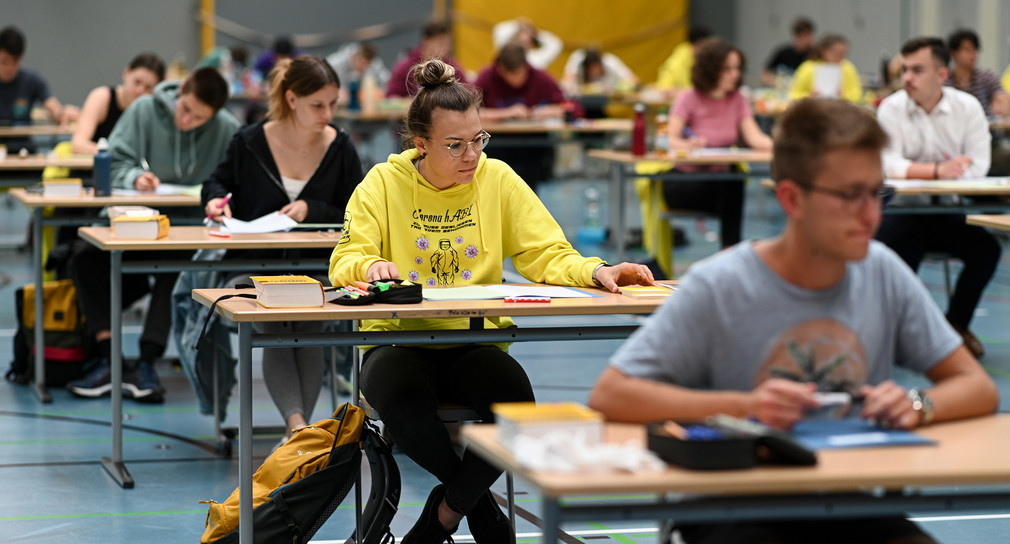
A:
756	330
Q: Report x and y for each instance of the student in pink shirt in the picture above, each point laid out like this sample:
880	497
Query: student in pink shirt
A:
713	114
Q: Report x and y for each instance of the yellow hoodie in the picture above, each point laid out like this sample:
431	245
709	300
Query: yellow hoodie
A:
456	236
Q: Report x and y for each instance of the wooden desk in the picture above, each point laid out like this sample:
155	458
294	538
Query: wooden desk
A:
37	202
844	484
557	126
182	238
27	131
943	187
244	312
31	163
623	168
1000	222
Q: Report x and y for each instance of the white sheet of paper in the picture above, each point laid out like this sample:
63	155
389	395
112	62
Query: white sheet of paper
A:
718	151
272	222
553	291
828	80
468	292
162	189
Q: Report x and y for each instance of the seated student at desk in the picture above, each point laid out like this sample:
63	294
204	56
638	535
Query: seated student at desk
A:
964	46
725	343
787	58
829	54
442	213
436	43
301	164
106	104
513	89
675	72
938	132
713	114
178	134
21	89
590	71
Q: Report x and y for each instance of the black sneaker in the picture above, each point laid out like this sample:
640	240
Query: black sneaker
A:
488	524
96	383
427	529
143	385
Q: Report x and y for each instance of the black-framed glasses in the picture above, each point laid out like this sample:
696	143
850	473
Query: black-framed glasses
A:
458	149
856	196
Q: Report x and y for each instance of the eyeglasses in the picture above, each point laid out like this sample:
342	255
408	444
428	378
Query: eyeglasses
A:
458	149
857	196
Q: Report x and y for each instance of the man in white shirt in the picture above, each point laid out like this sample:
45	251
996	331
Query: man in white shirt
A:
938	132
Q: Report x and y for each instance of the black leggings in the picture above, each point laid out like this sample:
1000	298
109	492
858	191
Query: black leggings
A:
722	198
406	385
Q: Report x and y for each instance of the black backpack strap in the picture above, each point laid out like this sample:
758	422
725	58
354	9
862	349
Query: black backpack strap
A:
210	314
282	508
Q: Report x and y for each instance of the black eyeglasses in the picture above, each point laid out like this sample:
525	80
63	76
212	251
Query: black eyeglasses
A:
458	149
856	196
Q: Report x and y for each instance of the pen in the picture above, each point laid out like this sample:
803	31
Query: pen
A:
144	165
220	206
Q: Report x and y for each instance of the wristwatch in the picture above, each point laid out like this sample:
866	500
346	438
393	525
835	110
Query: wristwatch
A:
597	269
922	405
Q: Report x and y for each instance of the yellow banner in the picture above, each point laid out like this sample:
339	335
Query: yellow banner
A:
641	33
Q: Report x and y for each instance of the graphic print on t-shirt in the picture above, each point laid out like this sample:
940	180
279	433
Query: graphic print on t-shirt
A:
442	252
822	351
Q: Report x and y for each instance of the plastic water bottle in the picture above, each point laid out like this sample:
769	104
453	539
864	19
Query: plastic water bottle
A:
354	89
638	131
592	232
103	169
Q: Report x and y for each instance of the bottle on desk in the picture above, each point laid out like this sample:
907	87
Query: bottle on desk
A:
368	98
102	172
638	131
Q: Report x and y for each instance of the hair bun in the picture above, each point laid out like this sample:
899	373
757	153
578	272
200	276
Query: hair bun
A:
432	73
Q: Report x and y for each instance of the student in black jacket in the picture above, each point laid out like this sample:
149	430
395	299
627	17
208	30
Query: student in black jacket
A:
299	163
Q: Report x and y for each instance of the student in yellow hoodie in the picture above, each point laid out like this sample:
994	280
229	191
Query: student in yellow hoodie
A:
442	213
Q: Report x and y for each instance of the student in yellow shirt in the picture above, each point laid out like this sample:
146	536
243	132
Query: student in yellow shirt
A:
831	49
675	72
442	213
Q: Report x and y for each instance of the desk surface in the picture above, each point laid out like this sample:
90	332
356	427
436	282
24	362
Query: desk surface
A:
89	200
21	131
196	237
994	186
13	162
968	452
1001	222
625	157
245	310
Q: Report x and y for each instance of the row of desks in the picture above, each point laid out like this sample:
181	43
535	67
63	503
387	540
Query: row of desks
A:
244	312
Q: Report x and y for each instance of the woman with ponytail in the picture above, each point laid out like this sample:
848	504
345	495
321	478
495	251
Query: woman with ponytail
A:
442	213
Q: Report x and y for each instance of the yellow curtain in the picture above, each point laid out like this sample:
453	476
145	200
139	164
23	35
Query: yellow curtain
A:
641	33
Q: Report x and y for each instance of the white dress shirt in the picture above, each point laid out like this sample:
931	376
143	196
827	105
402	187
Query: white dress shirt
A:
956	126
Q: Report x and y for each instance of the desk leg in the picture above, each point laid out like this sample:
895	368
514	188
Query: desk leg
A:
114	465
617	215
40	338
245	433
552	520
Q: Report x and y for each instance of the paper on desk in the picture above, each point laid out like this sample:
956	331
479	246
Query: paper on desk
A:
570	452
948	184
467	292
553	291
852	432
164	189
717	151
271	222
489	292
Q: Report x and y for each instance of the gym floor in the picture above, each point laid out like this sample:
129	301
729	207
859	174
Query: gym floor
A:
58	492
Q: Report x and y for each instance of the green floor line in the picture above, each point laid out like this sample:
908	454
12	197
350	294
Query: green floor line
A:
147	438
104	515
997	371
616	534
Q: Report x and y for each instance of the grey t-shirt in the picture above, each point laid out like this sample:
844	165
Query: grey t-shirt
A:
734	320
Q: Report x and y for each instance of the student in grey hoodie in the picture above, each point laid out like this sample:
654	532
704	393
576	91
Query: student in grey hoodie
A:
176	135
181	131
